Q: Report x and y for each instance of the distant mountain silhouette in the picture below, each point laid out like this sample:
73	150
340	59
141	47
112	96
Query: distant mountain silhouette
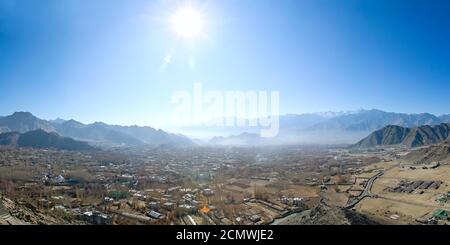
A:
242	139
317	128
152	136
98	132
42	139
10	138
94	132
370	120
23	122
445	118
327	128
410	137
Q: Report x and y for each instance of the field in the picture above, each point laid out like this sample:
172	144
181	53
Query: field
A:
406	208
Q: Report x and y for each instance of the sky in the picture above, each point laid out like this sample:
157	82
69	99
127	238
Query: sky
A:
121	61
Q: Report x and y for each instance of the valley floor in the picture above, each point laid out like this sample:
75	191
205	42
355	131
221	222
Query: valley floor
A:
407	208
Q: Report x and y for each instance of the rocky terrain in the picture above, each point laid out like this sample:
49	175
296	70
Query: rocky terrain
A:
16	213
327	214
410	137
42	139
99	133
435	153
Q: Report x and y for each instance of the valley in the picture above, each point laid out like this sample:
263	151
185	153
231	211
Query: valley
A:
46	178
221	185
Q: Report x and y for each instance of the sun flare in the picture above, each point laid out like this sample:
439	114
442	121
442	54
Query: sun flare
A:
187	23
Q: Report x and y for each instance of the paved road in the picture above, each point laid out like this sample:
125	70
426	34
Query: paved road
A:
368	188
366	191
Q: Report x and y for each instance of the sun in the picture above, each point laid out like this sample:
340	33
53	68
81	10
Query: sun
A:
187	23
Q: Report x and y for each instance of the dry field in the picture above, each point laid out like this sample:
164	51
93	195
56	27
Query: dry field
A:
405	208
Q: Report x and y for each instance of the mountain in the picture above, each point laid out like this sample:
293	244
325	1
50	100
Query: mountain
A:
410	137
389	135
57	121
350	127
445	118
434	153
9	138
42	139
23	122
4	129
289	122
331	114
311	128
302	121
238	140
150	135
122	135
98	133
370	120
325	127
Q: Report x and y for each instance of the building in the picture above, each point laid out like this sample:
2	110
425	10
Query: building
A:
172	189
108	200
169	206
255	218
155	215
208	192
186	207
97	218
441	199
285	200
153	205
297	201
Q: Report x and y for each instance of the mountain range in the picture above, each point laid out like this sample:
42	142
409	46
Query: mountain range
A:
410	137
95	133
42	139
323	128
369	120
312	128
244	139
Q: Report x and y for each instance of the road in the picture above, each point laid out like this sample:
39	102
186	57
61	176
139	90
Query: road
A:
366	192
368	188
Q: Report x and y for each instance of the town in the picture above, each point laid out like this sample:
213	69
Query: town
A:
195	186
167	186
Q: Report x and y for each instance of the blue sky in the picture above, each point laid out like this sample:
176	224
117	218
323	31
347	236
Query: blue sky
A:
103	60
